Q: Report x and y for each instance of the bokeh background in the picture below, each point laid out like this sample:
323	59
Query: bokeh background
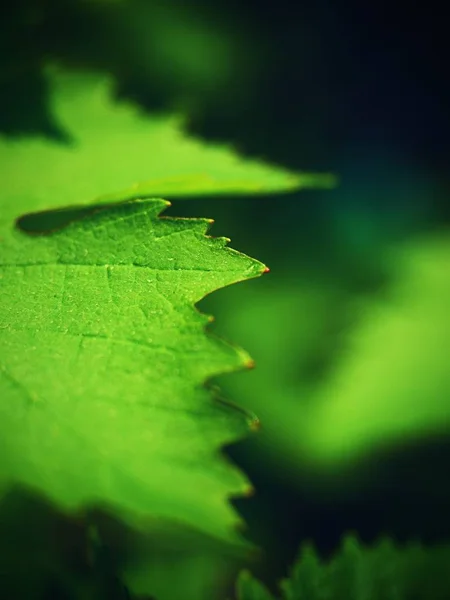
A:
350	331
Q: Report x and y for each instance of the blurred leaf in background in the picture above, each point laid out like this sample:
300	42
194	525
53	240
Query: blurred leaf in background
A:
167	55
339	376
356	572
114	153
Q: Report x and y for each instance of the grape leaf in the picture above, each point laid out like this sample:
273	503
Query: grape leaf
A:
380	572
103	354
114	152
103	361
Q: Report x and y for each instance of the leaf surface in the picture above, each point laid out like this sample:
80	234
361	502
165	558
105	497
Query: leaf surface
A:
103	361
103	355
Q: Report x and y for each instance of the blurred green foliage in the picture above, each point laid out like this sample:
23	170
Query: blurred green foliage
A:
168	55
380	572
340	375
113	153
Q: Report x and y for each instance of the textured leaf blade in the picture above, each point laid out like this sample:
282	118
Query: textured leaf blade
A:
103	361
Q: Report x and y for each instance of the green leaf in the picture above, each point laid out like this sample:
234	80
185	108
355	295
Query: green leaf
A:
380	572
345	571
114	152
103	353
249	588
103	361
391	386
307	578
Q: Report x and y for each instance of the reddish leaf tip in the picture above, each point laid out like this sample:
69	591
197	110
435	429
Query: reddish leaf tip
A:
249	491
255	424
250	363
